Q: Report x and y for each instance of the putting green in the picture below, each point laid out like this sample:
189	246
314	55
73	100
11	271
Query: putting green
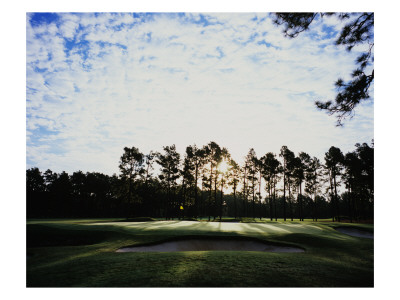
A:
240	228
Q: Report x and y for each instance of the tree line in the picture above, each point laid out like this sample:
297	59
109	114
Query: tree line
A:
208	183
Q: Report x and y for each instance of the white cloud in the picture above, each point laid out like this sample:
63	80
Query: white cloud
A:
169	80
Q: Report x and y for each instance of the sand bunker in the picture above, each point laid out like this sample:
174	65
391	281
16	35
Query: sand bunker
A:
355	232
210	245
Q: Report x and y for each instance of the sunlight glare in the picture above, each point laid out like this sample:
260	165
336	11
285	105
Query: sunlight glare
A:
223	167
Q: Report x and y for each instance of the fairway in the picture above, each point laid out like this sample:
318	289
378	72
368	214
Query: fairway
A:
82	253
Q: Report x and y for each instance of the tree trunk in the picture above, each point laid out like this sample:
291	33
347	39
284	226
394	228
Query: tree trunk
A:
301	204
234	200
183	200
270	201
254	196
129	213
259	194
284	194
276	214
196	201
215	195
222	195
315	207
332	201
354	207
244	192
210	200
167	202
290	201
336	198
349	204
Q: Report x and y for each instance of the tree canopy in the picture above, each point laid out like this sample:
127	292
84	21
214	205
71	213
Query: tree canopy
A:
359	30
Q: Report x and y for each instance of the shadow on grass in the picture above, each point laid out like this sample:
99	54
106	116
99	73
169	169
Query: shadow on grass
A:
331	259
47	236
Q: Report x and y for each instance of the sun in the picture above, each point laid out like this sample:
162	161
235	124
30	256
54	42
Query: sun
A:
223	167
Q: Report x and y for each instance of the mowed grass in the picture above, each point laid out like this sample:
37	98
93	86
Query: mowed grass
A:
81	253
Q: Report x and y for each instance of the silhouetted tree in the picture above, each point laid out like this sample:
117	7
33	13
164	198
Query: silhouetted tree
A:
196	158
35	188
259	196
131	167
187	179
62	189
291	162
212	156
351	176
359	180
34	180
287	168
169	163
224	170
313	182
301	163
49	179
366	154
79	184
333	163
270	170
245	190
99	190
220	180
252	168
148	161
234	175
117	196
358	31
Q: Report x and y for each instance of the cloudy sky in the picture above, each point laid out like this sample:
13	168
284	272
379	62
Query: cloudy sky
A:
96	83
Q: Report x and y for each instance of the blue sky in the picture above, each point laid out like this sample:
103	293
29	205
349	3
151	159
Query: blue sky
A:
68	127
99	82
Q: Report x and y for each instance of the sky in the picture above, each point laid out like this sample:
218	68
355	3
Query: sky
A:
99	82
46	132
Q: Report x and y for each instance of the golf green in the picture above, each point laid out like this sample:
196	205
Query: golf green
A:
82	253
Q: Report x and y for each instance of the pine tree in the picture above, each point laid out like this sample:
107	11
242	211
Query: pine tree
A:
358	31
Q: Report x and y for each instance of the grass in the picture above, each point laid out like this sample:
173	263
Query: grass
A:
81	253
